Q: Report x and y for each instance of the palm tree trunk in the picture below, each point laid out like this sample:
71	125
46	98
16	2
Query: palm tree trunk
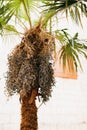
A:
28	114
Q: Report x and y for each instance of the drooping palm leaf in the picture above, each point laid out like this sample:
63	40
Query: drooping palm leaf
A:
71	49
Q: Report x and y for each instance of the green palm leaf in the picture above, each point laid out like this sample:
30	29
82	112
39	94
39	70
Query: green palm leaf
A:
15	10
69	50
9	9
74	8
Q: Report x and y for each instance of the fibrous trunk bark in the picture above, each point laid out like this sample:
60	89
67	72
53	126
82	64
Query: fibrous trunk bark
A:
28	114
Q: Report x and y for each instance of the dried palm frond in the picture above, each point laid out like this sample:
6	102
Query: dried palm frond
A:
29	65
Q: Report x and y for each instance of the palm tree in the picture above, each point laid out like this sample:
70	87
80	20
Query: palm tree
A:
30	69
30	72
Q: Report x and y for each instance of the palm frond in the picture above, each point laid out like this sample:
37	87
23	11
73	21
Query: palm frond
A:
16	10
71	49
8	9
72	8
